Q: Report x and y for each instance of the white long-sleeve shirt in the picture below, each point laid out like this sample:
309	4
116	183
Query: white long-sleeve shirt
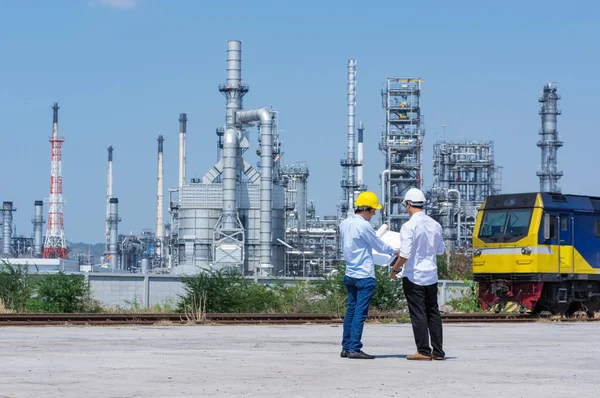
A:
421	243
357	241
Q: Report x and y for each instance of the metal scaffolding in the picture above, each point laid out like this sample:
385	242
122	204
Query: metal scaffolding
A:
464	174
313	251
295	177
401	143
312	247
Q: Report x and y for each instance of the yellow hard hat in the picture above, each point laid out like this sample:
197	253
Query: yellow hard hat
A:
368	199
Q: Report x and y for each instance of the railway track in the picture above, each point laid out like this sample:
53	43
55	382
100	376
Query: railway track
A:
249	319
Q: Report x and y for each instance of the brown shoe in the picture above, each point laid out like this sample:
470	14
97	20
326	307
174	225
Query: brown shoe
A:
437	358
418	357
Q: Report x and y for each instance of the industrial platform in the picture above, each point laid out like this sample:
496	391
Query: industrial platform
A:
525	360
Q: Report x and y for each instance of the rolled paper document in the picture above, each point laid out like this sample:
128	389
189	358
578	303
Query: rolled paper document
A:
382	230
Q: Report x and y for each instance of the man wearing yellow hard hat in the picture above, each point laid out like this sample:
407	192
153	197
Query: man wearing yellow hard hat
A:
358	239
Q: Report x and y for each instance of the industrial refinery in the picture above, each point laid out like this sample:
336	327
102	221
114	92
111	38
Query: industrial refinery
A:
402	146
259	219
464	174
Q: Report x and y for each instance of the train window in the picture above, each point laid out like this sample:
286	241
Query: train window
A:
518	222
597	228
508	225
493	223
553	225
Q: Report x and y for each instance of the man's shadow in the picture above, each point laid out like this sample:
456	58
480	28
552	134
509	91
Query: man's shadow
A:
402	356
391	356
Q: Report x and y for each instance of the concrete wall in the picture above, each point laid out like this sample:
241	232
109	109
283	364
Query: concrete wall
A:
130	290
145	291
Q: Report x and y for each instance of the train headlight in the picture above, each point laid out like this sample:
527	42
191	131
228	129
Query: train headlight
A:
526	251
477	253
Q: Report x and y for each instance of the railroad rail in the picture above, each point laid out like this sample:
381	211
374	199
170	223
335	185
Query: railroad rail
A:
113	319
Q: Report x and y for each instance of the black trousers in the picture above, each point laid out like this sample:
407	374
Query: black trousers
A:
424	316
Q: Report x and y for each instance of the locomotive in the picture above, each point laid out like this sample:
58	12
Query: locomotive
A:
538	252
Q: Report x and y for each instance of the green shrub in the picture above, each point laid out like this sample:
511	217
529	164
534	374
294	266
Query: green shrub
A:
295	298
459	268
330	294
468	301
62	293
219	291
389	295
16	286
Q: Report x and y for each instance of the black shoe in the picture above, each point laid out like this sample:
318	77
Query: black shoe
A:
344	354
360	355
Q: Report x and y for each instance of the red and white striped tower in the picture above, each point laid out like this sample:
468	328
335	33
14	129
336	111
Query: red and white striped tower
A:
55	245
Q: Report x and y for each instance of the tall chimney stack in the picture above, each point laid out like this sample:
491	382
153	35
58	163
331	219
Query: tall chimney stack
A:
109	193
182	133
359	170
159	196
55	245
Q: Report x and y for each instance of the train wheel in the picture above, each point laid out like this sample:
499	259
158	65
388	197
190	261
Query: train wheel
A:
559	308
592	307
576	310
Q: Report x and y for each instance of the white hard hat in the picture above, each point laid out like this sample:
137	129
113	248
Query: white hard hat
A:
415	197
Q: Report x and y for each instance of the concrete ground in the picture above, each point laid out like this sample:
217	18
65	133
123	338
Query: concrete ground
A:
518	360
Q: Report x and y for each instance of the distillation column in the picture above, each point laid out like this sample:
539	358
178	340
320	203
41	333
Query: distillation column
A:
351	139
231	144
349	184
7	214
229	238
38	224
549	142
113	220
265	118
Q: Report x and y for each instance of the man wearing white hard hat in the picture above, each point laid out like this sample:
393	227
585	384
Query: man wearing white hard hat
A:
421	243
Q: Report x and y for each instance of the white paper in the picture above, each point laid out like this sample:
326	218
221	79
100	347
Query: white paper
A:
391	238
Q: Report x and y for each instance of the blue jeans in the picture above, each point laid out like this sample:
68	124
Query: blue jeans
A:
360	293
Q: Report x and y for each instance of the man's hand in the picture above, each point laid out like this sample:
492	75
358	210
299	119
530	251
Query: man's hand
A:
398	264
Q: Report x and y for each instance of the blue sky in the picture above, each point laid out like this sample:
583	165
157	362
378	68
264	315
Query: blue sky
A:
123	70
